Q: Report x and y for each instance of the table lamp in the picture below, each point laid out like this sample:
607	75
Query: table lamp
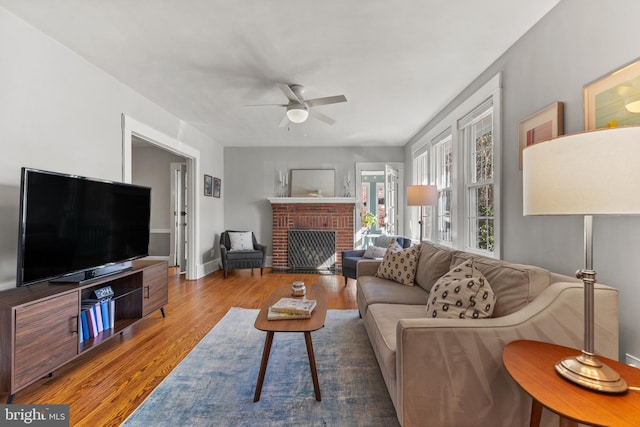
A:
589	173
422	195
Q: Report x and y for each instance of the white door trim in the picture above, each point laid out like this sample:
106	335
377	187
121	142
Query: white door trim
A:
132	127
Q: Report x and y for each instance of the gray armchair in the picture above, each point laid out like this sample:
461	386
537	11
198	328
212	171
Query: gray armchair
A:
240	259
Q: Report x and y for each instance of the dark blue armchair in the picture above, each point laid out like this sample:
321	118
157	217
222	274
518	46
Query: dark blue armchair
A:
350	258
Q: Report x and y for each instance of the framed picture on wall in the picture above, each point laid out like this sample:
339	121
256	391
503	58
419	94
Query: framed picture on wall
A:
613	100
541	126
217	183
208	185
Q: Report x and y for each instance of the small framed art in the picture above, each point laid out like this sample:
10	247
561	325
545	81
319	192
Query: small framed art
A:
208	185
613	100
541	126
217	183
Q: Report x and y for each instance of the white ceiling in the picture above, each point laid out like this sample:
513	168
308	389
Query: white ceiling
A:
398	63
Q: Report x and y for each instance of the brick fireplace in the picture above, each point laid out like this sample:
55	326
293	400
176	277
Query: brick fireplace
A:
320	214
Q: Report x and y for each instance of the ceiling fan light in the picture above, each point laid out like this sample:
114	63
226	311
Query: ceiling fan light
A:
633	107
297	115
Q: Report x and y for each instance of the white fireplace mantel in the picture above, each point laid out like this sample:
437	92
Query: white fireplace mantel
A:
319	200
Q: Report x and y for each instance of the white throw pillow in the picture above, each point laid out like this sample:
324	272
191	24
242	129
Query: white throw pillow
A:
374	252
241	241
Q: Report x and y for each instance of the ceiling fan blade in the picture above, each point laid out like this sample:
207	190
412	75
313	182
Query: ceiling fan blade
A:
266	105
284	121
291	96
327	100
323	118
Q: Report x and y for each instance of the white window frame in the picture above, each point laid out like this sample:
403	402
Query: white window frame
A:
437	177
459	209
466	129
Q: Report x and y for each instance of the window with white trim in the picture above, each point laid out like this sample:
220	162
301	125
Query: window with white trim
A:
460	155
443	169
476	131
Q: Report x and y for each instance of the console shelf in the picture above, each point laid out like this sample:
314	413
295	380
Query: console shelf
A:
39	323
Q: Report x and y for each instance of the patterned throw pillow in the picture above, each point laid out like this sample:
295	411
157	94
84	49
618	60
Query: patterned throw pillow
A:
240	241
399	265
461	293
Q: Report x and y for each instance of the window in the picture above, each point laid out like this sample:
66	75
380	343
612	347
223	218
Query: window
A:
460	155
477	137
442	148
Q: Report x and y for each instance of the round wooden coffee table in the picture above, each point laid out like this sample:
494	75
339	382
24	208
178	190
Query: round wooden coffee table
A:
315	322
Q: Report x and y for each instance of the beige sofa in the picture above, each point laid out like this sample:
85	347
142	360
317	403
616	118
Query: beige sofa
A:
449	372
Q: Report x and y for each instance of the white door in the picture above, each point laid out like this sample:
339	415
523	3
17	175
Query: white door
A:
391	203
178	245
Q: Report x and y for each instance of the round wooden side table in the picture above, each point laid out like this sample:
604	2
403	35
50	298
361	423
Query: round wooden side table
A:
532	366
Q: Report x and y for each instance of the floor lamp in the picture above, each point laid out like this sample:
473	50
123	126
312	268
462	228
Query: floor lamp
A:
590	173
422	195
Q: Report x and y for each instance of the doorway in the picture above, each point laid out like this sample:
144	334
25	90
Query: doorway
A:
379	192
132	128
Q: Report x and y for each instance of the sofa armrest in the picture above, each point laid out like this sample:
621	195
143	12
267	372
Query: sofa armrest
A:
367	267
450	371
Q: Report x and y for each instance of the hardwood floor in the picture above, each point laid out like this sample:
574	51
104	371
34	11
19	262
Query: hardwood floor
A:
106	384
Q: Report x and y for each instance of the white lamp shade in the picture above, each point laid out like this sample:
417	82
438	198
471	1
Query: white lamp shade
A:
422	195
297	115
589	173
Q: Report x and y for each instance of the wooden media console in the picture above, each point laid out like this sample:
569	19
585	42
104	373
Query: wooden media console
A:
39	324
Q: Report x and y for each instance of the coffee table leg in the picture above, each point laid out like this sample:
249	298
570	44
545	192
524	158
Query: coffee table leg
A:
263	365
312	364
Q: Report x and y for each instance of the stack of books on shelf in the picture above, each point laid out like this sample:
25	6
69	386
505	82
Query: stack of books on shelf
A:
97	314
291	308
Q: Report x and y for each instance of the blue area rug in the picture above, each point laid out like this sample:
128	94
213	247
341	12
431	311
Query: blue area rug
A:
214	384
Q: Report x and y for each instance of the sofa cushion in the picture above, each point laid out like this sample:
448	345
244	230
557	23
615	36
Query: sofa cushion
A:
374	290
515	285
399	265
374	252
381	324
434	262
462	293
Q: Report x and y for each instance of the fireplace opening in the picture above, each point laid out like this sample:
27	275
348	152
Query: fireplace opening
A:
312	250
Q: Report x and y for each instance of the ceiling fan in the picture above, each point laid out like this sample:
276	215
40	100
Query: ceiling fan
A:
299	108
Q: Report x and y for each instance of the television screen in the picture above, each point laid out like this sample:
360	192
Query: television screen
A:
71	225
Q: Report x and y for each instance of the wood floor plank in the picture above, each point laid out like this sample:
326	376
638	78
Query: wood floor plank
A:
106	384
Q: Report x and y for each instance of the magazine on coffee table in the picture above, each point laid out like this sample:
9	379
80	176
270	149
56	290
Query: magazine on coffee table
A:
294	306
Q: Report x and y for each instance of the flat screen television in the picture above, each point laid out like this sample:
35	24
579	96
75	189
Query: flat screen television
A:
73	229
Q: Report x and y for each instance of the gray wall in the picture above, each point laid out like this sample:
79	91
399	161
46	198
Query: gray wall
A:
251	177
578	42
59	112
